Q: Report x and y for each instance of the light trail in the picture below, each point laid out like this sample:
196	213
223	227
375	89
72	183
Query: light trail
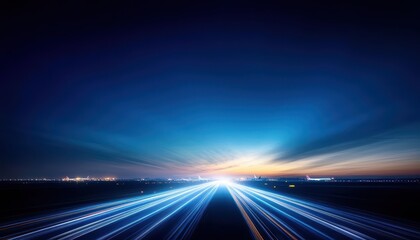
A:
274	216
117	219
175	214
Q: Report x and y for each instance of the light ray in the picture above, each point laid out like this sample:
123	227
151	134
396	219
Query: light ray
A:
117	218
174	215
273	216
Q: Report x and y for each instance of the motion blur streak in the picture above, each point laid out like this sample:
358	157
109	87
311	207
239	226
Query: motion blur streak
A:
273	216
132	218
175	214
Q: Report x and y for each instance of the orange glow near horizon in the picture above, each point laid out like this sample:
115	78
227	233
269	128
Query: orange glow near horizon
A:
345	163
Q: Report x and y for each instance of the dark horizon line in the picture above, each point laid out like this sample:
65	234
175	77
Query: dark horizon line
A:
212	178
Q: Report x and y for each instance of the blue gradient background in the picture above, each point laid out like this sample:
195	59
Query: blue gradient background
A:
180	89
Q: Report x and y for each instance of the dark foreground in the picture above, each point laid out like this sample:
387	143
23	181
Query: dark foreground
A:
221	218
399	201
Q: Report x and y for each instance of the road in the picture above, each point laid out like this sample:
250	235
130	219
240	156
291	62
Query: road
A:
211	210
222	219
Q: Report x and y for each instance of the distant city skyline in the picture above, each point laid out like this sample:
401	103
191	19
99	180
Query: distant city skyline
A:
186	89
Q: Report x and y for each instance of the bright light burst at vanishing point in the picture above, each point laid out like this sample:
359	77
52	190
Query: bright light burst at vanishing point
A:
174	215
127	120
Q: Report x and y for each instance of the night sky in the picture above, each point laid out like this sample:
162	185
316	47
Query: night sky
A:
155	88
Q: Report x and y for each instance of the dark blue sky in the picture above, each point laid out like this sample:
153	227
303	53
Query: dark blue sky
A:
184	89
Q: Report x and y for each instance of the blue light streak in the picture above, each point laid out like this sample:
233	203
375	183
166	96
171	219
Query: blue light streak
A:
117	218
175	214
273	216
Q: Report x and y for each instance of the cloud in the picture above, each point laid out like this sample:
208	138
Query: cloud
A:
393	152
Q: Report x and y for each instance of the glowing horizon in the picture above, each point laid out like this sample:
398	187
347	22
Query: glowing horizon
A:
238	98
